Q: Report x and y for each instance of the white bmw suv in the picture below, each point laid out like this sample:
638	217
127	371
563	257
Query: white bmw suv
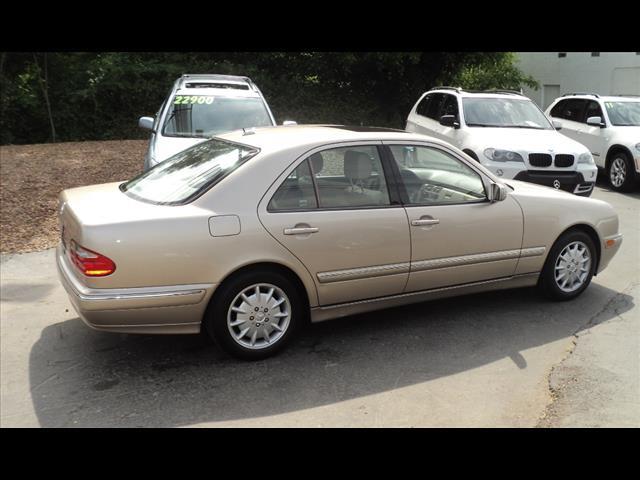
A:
609	127
507	133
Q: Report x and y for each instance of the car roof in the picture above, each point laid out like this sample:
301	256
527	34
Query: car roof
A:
291	136
604	98
213	84
472	94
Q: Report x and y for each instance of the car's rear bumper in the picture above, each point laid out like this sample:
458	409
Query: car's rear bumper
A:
573	182
166	309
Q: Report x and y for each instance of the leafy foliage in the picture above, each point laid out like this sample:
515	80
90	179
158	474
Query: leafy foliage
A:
99	96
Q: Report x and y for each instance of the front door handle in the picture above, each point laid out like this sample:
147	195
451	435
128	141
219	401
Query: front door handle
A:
300	230
425	221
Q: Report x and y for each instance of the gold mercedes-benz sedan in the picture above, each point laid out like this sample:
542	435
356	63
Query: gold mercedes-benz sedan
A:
251	233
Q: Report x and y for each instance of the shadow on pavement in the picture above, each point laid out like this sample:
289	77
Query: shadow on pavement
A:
81	377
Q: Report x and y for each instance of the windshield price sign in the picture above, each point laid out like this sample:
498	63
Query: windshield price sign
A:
192	99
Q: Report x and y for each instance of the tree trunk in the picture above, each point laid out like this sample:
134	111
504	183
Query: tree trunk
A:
44	85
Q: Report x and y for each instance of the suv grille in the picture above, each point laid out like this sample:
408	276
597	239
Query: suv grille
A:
540	159
563	160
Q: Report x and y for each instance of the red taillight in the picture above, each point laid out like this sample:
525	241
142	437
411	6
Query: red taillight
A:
91	263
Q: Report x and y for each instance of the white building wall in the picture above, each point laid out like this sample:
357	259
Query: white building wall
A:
611	73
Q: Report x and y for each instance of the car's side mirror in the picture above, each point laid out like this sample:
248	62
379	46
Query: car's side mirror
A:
498	192
556	124
449	121
289	122
595	122
146	123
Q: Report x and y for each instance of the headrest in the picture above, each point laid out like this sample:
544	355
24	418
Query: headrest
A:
357	165
317	163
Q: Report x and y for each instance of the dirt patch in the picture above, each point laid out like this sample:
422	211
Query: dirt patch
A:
32	177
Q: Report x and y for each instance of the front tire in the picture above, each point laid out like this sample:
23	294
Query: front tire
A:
569	267
621	172
254	315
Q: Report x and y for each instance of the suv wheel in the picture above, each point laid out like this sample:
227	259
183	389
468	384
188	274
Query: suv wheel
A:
569	267
620	172
255	315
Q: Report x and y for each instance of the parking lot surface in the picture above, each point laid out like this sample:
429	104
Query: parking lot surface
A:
506	358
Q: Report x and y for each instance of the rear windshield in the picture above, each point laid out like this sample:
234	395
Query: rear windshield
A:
207	115
190	173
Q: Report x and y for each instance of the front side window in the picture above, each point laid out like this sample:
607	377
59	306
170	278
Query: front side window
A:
624	114
434	177
189	173
450	106
434	106
504	113
207	115
593	110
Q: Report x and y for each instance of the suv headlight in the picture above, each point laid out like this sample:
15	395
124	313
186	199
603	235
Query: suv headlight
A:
586	157
638	147
502	155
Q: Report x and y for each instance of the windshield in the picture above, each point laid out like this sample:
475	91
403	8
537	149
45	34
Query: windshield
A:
504	113
183	177
624	114
207	115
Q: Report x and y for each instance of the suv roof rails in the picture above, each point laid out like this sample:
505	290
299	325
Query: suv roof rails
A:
493	90
457	89
503	90
201	78
581	93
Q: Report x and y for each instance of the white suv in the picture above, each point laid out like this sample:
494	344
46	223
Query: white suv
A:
609	127
507	133
199	106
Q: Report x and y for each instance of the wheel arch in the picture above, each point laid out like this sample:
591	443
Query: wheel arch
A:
613	149
265	266
592	233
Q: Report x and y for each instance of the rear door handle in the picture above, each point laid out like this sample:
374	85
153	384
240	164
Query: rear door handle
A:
300	230
425	222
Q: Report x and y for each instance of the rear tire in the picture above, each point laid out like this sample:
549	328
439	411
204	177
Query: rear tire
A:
621	172
254	315
569	267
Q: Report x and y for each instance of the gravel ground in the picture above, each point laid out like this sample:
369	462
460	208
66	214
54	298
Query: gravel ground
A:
32	177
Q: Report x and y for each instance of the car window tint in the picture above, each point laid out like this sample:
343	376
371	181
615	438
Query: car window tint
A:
433	177
593	110
434	106
450	106
572	109
296	192
350	177
423	106
556	111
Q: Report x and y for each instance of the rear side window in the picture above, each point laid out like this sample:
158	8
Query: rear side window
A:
350	177
423	106
569	109
190	173
296	192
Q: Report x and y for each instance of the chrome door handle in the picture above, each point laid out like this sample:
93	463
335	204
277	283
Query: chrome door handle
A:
300	230
425	221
